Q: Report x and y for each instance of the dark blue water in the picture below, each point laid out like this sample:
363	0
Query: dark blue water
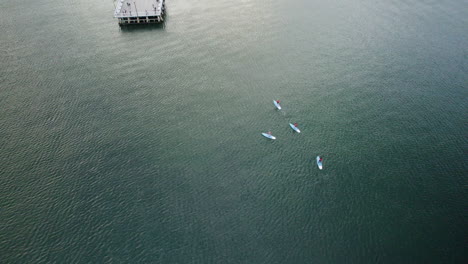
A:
143	144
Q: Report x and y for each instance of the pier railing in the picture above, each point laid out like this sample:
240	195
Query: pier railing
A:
157	11
118	7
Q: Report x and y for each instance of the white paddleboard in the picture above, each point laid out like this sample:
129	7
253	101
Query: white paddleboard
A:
277	105
294	128
319	163
268	136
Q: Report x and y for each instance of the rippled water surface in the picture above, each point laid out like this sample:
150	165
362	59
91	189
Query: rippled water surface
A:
143	144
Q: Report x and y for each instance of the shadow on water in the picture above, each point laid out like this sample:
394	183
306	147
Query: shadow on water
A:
143	27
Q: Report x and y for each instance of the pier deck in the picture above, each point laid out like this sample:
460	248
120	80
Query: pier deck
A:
139	11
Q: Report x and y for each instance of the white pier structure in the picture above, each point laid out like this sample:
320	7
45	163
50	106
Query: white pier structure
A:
140	11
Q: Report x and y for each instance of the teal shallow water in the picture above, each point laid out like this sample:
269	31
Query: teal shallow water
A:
143	145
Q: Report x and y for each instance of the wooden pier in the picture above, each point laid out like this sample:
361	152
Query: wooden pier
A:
140	11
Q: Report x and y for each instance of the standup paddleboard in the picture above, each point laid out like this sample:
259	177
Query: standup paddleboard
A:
319	163
277	105
268	136
294	128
